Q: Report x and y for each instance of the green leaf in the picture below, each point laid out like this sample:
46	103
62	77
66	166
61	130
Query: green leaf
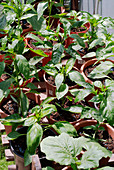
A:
64	148
48	168
33	36
74	109
34	136
90	159
27	158
37	25
59	80
79	40
27	16
2	67
23	65
31	86
14	117
109	108
13	135
88	112
41	8
77	24
24	104
47	109
101	70
19	47
30	121
3	21
69	65
36	109
89	55
4	85
35	60
78	78
61	91
58	50
47	100
14	99
95	42
80	93
66	127
50	70
39	52
98	84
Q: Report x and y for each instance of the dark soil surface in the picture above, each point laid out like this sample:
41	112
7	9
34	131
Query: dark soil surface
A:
62	115
35	47
31	42
10	107
78	29
5	76
103	137
23	23
54	11
86	50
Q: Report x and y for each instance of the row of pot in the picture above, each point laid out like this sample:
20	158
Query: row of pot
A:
62	39
52	93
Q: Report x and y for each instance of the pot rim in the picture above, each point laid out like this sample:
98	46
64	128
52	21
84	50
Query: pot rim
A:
83	123
88	63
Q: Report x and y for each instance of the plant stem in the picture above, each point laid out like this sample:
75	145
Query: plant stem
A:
50	8
74	166
17	82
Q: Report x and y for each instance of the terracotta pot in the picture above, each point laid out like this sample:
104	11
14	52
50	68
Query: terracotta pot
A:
51	89
69	40
88	63
51	121
79	63
9	62
2	35
44	61
6	58
31	96
19	157
107	127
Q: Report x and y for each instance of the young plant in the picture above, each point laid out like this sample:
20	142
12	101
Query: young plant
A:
48	5
65	151
61	75
103	70
16	11
102	97
22	72
97	35
34	124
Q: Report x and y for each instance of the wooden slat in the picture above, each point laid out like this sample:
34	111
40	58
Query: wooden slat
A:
9	155
11	167
2	128
4	140
36	163
42	96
